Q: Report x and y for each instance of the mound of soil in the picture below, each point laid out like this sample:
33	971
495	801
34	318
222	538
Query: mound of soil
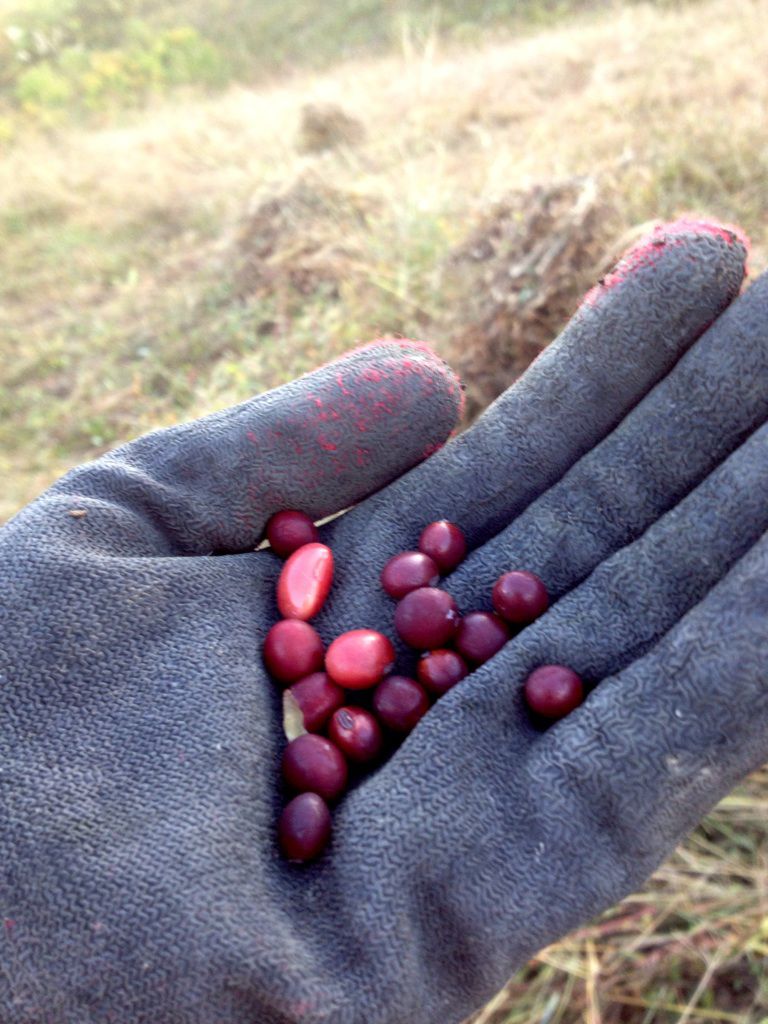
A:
299	241
327	126
517	279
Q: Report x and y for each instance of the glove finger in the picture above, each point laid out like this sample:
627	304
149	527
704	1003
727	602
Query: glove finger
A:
686	721
591	805
620	343
320	444
714	397
637	595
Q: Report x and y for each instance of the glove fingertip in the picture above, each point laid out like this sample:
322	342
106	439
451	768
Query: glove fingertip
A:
730	233
684	231
416	355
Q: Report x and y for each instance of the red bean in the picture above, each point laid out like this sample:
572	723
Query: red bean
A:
553	691
359	658
318	697
305	581
408	571
304	828
356	733
292	650
519	597
312	764
438	671
444	543
289	530
481	635
399	702
426	618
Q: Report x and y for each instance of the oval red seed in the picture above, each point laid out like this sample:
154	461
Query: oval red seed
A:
481	635
399	703
312	764
438	671
304	828
553	691
288	530
318	697
444	543
359	658
356	733
408	571
292	650
426	618
519	597
305	581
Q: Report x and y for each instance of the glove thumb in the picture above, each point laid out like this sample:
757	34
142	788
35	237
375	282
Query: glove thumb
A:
319	443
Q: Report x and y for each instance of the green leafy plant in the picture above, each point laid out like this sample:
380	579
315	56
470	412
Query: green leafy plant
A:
86	55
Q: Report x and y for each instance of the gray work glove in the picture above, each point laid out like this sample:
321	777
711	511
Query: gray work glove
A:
140	738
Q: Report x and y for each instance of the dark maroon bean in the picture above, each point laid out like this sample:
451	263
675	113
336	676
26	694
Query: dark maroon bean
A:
444	543
481	635
288	530
553	691
312	764
408	571
356	733
292	650
426	618
399	703
438	671
318	697
304	828
520	597
360	658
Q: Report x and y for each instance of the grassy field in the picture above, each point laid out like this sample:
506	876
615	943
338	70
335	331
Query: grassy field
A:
159	263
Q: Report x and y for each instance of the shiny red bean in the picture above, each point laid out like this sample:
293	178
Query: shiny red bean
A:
553	691
359	658
444	543
288	530
438	671
318	697
399	703
426	618
481	635
305	582
304	828
519	597
408	571
312	764
356	733
292	650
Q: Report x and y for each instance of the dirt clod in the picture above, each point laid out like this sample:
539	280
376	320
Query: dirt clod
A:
299	241
518	277
327	126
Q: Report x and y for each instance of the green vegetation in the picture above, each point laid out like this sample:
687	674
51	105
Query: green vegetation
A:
80	56
61	59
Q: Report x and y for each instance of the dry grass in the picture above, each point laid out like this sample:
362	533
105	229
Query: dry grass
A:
116	300
122	307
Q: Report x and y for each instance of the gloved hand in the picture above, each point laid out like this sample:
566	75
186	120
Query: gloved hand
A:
140	738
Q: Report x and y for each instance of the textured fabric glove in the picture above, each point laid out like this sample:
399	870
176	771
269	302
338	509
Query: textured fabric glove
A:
140	737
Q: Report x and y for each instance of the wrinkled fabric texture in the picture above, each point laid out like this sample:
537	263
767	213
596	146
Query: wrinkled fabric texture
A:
140	737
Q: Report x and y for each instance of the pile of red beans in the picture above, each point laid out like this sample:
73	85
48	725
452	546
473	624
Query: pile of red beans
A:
352	709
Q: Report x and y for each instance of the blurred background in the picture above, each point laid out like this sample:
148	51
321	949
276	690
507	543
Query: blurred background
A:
201	199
